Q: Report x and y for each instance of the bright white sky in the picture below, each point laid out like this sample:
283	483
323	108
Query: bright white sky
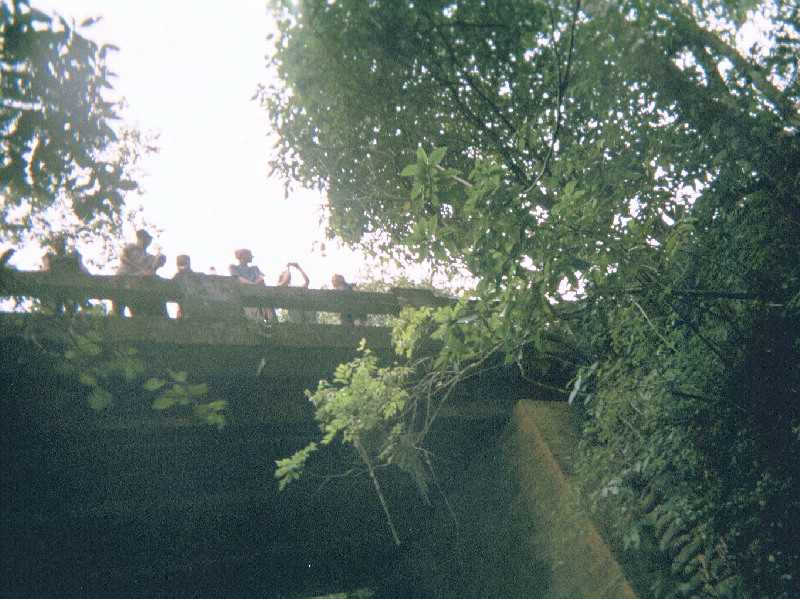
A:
188	71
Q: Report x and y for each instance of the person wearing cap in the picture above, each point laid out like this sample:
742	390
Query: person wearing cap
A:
136	261
183	263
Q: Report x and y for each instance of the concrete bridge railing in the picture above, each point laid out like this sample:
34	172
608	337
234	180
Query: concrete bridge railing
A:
214	333
209	296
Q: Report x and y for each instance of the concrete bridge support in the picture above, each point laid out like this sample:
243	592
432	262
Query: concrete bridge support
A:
540	448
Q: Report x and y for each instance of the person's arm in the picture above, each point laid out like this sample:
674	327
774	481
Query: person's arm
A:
302	274
151	263
159	261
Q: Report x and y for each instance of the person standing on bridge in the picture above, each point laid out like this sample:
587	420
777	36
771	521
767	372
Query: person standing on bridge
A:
63	261
339	282
183	264
284	280
250	274
135	261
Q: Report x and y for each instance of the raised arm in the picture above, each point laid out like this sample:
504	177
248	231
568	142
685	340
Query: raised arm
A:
302	274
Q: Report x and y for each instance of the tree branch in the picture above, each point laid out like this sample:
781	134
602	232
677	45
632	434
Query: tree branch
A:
562	88
786	110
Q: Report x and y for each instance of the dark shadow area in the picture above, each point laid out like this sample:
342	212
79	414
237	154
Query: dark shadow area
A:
135	503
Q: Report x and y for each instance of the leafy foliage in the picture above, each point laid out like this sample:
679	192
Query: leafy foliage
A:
621	176
365	405
100	366
386	412
62	145
178	392
96	365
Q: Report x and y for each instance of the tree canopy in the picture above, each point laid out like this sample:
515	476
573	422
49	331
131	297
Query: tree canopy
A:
60	145
623	175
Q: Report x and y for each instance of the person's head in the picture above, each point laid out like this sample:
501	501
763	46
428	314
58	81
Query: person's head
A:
184	263
143	238
244	256
338	282
59	244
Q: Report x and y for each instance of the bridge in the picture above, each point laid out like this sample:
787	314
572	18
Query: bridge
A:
214	337
133	502
214	315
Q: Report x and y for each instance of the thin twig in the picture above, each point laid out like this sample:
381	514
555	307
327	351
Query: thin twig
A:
563	83
652	326
378	489
454	177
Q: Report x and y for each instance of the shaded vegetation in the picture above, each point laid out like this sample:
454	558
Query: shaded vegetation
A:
621	176
68	159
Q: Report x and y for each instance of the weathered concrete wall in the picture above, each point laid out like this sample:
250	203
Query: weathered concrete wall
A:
539	448
520	535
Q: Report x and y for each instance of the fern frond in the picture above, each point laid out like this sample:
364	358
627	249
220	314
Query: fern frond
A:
665	542
688	552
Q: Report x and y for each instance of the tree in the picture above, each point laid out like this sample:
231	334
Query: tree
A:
62	148
66	167
640	157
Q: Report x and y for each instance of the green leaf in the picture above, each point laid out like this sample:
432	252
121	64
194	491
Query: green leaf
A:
179	377
100	399
87	379
165	401
88	347
131	368
154	384
436	156
195	390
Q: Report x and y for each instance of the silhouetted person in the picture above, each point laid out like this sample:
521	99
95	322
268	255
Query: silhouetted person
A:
284	281
63	261
184	265
137	262
338	282
250	274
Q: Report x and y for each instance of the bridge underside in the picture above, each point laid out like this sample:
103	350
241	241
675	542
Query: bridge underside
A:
136	502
